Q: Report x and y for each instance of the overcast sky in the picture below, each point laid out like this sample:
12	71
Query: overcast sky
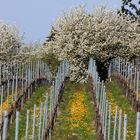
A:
35	17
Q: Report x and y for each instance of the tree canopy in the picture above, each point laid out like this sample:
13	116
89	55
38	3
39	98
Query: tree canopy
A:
104	35
10	42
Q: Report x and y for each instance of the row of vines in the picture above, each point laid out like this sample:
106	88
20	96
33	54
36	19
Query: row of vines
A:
116	100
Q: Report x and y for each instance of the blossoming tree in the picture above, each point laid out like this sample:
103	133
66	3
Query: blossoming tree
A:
104	34
30	51
10	42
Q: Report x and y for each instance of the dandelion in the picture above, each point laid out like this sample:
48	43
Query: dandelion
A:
77	110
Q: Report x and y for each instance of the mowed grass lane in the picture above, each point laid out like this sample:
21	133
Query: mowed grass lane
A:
37	98
116	97
76	115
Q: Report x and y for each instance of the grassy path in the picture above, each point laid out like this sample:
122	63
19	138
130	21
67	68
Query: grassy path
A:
116	97
38	97
76	115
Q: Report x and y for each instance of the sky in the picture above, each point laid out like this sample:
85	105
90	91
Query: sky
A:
35	17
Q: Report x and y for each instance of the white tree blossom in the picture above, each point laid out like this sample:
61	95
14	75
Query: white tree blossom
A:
103	34
10	42
29	52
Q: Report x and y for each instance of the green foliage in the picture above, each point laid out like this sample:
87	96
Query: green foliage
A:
52	62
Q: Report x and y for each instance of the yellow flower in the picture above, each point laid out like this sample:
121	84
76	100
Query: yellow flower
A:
77	110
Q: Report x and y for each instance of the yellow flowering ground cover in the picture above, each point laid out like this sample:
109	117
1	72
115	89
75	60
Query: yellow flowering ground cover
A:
116	97
7	103
77	110
76	115
38	97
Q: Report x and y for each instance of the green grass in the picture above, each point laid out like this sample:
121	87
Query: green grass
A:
124	104
38	97
63	129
